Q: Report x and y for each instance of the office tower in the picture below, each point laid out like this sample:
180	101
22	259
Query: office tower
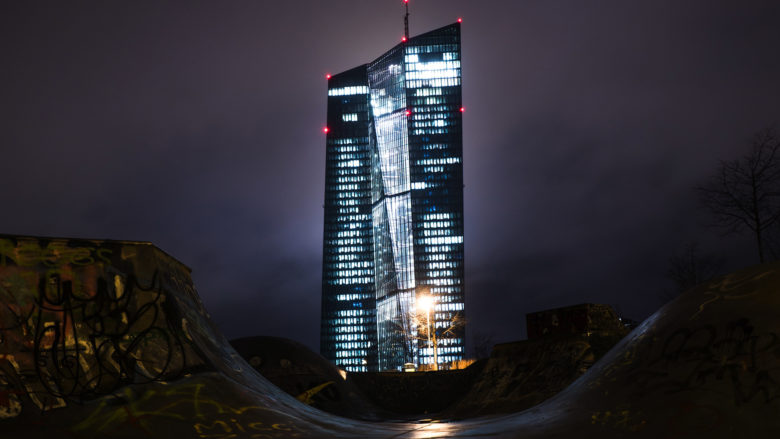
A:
348	326
394	207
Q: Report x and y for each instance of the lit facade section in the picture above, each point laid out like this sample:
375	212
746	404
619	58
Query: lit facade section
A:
411	189
348	325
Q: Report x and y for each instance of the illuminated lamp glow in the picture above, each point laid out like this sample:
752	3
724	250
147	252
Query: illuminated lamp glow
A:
325	130
403	39
327	76
425	303
462	109
460	20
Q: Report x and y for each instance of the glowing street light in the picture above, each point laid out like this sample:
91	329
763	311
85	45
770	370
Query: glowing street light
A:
427	303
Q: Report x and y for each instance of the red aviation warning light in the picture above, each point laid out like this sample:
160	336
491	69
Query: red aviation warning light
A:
462	109
325	130
460	20
408	112
327	76
403	39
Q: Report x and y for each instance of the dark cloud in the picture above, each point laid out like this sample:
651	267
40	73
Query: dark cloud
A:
196	125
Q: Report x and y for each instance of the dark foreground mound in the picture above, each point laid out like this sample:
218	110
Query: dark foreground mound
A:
371	396
521	374
308	376
109	339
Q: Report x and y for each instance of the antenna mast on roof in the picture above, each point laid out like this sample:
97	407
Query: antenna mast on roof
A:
406	20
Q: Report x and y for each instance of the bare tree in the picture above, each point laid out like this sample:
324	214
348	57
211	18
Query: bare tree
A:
482	344
431	330
745	193
413	329
691	267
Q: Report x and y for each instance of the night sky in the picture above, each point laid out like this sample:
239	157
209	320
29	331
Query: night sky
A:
198	126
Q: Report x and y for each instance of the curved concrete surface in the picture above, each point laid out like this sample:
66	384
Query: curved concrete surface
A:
522	374
308	376
109	339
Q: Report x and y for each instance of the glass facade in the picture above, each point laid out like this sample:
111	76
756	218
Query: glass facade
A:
348	326
395	128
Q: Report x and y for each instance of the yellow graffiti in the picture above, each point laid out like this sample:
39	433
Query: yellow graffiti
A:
34	390
725	290
620	419
231	429
306	397
214	419
55	254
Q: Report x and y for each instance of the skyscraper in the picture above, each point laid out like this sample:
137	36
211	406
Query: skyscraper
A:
394	206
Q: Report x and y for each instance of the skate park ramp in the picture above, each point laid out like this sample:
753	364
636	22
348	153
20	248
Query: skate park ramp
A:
563	343
110	339
308	376
520	375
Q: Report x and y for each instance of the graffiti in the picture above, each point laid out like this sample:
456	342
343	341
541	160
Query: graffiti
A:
56	253
187	403
610	371
15	386
90	345
256	430
306	397
10	405
79	321
731	287
708	356
620	419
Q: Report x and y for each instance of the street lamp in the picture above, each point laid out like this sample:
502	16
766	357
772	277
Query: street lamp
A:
426	303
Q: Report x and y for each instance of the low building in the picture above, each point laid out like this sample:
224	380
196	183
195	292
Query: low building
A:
585	319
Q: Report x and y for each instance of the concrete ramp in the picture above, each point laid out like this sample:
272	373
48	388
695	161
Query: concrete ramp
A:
308	376
705	365
109	339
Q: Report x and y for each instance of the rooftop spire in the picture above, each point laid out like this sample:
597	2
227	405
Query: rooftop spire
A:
406	20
